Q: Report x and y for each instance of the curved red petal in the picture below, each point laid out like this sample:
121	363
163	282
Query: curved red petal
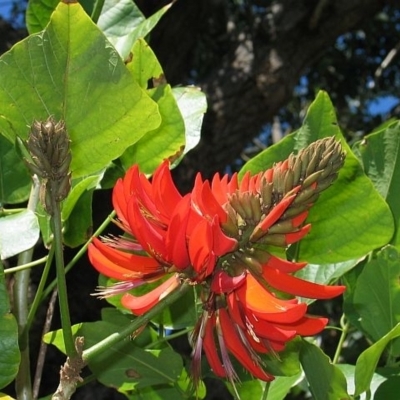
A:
165	194
224	283
112	269
211	350
236	346
284	265
141	304
176	241
307	326
148	235
299	287
222	244
266	306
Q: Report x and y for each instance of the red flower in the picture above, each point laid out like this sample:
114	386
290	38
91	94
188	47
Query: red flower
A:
220	236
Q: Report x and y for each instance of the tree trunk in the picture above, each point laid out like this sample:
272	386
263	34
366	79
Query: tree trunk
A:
256	63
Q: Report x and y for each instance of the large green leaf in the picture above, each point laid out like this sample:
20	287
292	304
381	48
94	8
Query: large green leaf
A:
18	232
15	181
123	23
368	360
377	296
9	350
38	14
72	72
326	381
163	142
380	155
350	218
124	365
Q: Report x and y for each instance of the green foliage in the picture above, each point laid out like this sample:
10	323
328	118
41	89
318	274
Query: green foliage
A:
351	234
325	379
9	350
97	72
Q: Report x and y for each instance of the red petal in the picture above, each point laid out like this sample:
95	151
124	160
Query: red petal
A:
119	265
223	283
236	346
141	304
165	193
222	244
149	236
264	305
176	242
296	236
284	265
299	287
211	350
307	326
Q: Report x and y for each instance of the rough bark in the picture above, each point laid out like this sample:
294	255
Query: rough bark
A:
256	67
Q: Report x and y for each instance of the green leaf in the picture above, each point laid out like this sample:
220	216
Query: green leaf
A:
389	389
15	180
281	386
380	155
368	360
326	381
77	211
164	141
18	232
124	365
123	23
350	218
9	350
144	65
79	226
192	103
38	14
377	296
72	72
349	370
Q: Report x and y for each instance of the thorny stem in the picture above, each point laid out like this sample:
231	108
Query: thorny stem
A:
345	329
116	337
56	225
21	289
80	253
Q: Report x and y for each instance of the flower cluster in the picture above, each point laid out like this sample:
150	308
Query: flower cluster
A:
220	236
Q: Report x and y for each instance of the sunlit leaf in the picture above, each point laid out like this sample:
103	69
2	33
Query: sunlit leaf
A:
18	232
380	155
368	360
350	218
72	72
123	23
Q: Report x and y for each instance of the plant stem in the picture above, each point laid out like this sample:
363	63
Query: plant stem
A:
38	295
105	344
26	266
80	253
169	337
98	6
23	385
345	328
56	225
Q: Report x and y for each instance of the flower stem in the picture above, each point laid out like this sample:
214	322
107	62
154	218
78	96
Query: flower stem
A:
23	385
80	253
56	225
98	348
25	266
345	328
